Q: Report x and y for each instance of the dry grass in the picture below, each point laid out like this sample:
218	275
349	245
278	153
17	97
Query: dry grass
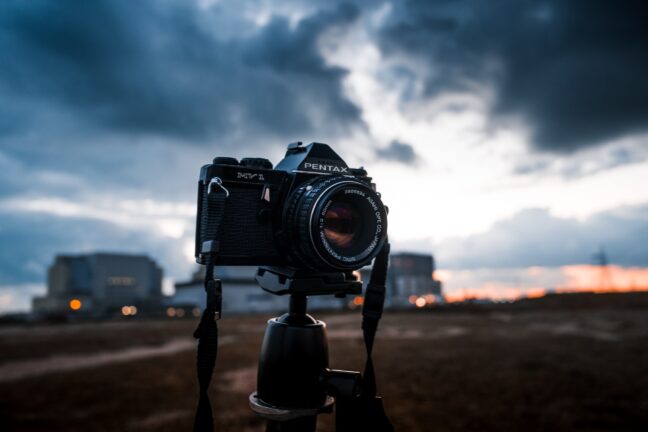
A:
505	369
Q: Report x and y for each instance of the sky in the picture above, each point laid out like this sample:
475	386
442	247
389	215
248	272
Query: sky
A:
505	136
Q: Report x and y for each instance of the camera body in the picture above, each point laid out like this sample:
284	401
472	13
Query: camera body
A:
311	211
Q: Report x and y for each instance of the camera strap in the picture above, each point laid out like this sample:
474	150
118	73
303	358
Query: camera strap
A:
207	330
365	412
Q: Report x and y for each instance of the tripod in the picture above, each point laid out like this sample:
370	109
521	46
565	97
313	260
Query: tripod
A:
294	382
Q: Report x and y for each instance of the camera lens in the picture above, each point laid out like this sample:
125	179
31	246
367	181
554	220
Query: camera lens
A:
336	223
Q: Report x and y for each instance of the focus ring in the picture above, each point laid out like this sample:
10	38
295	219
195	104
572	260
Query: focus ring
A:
292	234
304	218
300	218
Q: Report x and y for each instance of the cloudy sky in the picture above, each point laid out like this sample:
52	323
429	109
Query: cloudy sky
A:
509	138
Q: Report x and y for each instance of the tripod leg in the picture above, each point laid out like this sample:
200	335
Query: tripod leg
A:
303	424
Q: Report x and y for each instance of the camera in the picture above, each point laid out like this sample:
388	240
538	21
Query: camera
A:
311	211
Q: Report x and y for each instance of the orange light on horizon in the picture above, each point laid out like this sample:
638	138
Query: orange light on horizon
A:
493	291
358	300
75	304
537	282
420	302
536	293
604	279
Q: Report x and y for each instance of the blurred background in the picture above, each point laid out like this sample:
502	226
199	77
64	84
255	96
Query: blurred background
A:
509	140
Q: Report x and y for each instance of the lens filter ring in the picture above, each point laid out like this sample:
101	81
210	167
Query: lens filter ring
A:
340	223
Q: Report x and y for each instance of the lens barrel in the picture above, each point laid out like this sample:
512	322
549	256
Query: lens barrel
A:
335	223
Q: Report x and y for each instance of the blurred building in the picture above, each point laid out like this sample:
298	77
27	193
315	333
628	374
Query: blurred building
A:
410	281
101	284
241	294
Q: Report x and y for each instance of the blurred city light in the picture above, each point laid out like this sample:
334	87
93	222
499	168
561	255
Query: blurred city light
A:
129	310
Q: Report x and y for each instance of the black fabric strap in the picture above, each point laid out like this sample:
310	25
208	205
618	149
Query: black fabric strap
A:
356	414
207	335
372	310
207	331
366	412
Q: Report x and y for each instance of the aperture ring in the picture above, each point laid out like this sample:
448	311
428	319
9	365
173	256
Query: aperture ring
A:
307	243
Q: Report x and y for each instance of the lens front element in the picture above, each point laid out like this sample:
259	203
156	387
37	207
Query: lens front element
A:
349	222
337	223
341	221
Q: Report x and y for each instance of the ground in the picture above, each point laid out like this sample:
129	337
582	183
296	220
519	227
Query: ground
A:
515	368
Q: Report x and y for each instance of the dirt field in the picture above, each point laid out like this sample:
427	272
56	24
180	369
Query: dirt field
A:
503	369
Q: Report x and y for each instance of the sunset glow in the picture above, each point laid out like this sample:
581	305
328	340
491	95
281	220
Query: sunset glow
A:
535	282
609	279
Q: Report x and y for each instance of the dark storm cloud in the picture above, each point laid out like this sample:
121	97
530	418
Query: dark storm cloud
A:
581	165
159	68
536	238
574	70
398	152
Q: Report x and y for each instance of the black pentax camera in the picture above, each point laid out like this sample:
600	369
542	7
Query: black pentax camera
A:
311	211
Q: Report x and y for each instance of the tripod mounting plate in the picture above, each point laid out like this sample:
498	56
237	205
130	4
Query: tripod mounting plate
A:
285	280
270	412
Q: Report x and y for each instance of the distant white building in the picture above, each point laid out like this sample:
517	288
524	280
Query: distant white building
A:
410	278
241	293
101	284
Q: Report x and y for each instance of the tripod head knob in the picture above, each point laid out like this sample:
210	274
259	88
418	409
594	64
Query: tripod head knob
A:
341	383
